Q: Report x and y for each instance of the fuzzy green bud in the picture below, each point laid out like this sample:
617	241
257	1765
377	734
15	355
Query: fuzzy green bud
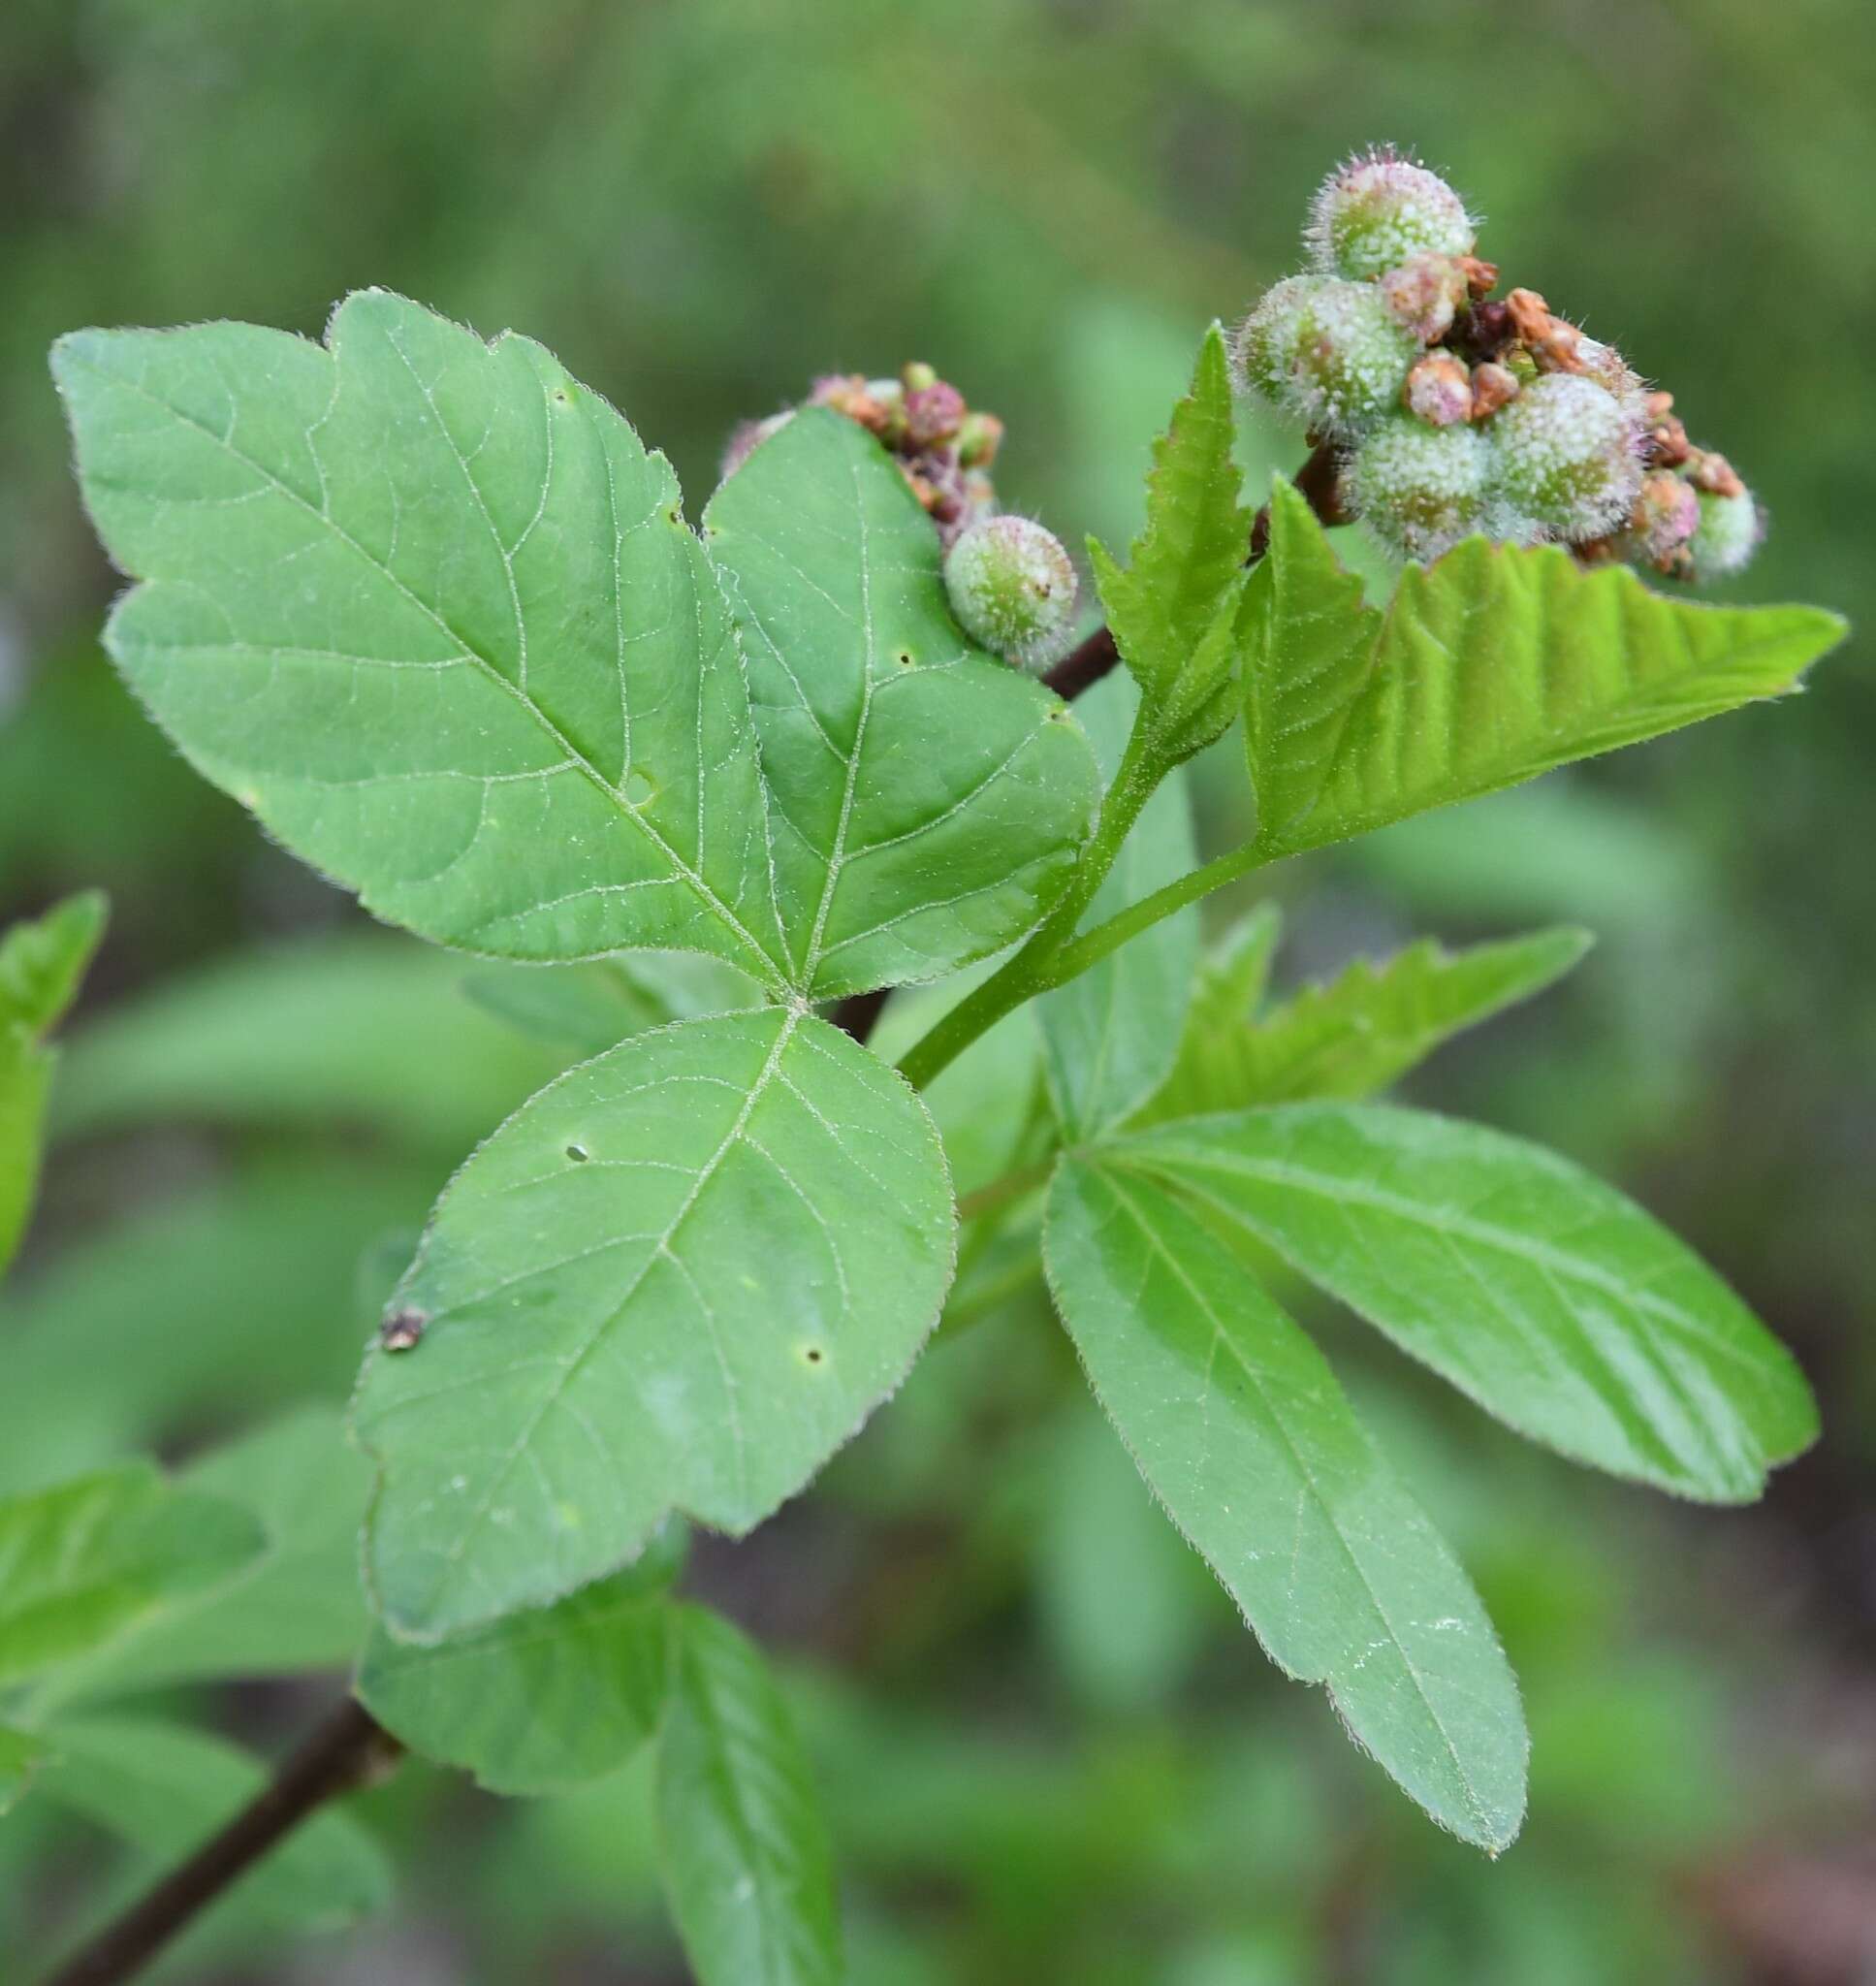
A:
1329	352
1564	459
1381	210
1419	490
1727	535
1012	587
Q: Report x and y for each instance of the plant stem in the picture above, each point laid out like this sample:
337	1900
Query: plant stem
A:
1028	972
1092	946
346	1750
1000	1192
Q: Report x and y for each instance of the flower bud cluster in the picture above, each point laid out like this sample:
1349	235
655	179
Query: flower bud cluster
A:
943	448
1451	412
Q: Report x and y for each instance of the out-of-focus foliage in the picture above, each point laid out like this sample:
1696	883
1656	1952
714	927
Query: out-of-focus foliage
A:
1049	1752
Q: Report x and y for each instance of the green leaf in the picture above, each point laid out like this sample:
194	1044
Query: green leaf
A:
745	1849
358	1028
1362	1030
926	800
679	1278
1549	1298
1490	666
1109	1036
41	962
430	609
1238	1424
81	1562
296	1605
538	1701
22	1754
1186	567
165	1789
40	965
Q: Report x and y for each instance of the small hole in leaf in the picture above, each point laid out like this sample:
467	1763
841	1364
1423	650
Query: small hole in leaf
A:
561	396
579	1154
640	786
812	1355
905	658
673	515
1059	714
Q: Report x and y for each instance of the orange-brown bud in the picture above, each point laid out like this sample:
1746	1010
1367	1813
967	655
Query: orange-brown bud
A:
1492	385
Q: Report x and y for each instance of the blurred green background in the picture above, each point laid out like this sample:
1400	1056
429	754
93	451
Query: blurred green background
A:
1050	1751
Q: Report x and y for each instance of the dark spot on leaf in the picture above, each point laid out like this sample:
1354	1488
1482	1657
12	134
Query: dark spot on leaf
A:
579	1154
812	1355
402	1330
905	658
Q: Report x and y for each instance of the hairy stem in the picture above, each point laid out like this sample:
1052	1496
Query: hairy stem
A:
346	1750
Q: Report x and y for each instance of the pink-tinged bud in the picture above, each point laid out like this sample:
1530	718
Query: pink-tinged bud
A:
1424	294
934	414
1328	351
1666	514
1012	587
1419	490
1379	211
916	375
1566	460
1727	534
745	437
1492	386
1439	390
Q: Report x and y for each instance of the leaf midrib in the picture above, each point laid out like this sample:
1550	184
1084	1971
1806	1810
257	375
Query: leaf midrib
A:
1276	1419
466	650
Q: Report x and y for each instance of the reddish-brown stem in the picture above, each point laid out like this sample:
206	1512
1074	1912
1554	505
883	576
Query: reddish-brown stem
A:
346	1750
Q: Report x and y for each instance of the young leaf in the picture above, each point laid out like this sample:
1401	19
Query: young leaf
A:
745	1849
40	964
1109	1036
1238	1424
1184	569
679	1278
296	1605
926	800
165	1789
428	608
1362	1030
1549	1298
540	1701
83	1561
22	1754
1490	666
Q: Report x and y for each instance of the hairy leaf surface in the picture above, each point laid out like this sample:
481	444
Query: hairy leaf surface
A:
678	1278
1490	666
1238	1424
745	1849
1547	1297
926	800
1187	560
